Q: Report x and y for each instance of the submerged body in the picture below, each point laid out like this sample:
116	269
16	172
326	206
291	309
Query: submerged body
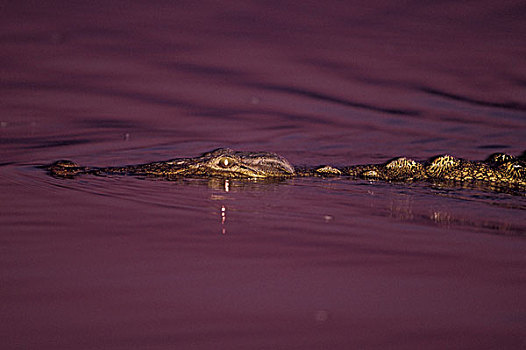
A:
498	170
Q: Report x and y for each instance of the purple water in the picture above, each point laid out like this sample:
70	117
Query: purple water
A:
126	263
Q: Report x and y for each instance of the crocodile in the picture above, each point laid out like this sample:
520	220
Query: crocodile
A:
498	170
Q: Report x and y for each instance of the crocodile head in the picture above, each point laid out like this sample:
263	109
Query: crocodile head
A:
224	162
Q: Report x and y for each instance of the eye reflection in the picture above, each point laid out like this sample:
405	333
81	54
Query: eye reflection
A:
223	220
225	162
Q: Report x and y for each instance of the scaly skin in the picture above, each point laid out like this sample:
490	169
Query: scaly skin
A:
499	170
222	162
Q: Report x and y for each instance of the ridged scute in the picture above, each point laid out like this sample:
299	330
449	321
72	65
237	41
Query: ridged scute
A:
500	169
440	165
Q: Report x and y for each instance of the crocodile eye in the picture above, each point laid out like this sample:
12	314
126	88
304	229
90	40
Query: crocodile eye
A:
226	162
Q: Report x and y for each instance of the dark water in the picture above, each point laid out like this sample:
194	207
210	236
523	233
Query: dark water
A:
127	263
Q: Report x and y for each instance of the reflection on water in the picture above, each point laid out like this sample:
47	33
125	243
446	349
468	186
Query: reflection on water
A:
223	208
407	208
235	185
223	220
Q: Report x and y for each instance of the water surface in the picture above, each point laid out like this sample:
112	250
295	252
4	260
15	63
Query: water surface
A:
119	262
